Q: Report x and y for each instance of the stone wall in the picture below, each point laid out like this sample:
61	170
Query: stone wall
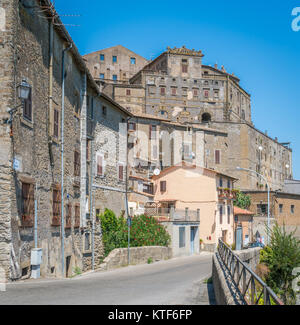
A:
138	255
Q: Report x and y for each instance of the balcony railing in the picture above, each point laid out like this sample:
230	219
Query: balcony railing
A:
172	214
252	288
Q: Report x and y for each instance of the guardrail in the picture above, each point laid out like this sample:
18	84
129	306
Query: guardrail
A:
253	289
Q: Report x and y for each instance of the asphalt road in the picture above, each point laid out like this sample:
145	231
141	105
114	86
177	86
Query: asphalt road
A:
175	282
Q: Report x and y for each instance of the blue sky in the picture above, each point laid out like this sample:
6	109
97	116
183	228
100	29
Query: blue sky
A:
252	39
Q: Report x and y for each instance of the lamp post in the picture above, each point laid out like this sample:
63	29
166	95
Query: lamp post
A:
268	187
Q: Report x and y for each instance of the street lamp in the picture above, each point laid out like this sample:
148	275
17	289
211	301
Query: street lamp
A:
23	90
268	187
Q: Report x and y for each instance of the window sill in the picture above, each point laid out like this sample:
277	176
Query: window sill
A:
26	122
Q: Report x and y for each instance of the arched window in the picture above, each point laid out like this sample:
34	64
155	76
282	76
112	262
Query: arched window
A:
206	117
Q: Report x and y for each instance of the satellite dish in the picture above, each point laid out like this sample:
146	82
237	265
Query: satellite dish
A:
156	172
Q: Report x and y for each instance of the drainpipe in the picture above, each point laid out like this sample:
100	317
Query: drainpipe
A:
91	205
62	160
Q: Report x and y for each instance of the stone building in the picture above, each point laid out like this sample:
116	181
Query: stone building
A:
116	64
284	209
48	143
178	87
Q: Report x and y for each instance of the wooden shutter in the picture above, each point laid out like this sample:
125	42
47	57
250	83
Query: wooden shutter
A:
163	186
56	207
77	216
27	204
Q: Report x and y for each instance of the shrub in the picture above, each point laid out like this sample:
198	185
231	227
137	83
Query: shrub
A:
144	231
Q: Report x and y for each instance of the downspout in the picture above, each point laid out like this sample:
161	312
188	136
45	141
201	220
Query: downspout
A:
62	159
91	205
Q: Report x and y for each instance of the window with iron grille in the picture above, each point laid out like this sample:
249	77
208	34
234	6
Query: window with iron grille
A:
56	207
27	204
27	107
76	163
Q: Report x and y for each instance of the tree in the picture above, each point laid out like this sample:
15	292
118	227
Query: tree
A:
242	200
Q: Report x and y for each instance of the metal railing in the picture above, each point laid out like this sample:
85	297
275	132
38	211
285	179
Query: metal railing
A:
173	214
252	288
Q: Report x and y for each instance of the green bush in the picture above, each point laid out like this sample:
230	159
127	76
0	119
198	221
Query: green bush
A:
144	231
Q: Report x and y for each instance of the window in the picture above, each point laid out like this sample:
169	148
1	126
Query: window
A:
27	204
132	60
163	186
280	208
27	107
101	75
104	111
101	57
77	216
131	126
216	93
292	209
87	241
115	77
228	214
184	66
56	123
173	91
206	93
68	215
228	184
162	91
184	92
56	206
100	165
217	157
148	188
128	92
221	182
76	163
195	93
114	59
121	172
152	132
221	213
181	237
262	209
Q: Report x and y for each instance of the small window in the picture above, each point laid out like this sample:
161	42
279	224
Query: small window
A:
115	77
217	157
104	111
184	68
121	172
101	75
132	60
100	165
128	92
195	93
292	209
101	57
173	91
114	59
76	163
163	186
87	241
162	91
206	93
181	237
280	208
131	126
221	182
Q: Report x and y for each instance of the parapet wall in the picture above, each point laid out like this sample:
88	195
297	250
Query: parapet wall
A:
226	292
138	255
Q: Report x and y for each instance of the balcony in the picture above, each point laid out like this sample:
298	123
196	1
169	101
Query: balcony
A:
171	214
226	193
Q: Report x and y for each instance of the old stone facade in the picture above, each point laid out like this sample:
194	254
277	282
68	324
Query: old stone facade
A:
116	64
178	87
49	147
